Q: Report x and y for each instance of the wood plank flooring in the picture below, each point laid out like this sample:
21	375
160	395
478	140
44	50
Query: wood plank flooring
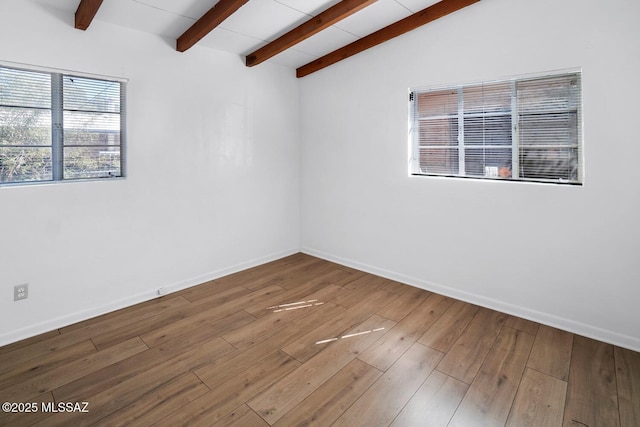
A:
305	342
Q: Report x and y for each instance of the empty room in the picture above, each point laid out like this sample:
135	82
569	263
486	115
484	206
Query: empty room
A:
319	212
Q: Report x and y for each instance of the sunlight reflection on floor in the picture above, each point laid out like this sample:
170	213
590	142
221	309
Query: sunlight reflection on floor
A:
355	334
294	305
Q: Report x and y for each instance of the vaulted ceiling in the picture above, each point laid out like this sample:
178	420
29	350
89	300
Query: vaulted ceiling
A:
304	34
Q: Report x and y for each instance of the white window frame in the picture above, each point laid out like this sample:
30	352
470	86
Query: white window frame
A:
57	123
417	168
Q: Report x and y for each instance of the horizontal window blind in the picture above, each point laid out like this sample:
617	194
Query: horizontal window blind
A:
25	126
520	129
548	127
56	126
92	128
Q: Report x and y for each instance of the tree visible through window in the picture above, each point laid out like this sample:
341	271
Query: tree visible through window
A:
56	126
521	129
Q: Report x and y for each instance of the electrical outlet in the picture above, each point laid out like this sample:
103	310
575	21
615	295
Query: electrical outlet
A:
20	292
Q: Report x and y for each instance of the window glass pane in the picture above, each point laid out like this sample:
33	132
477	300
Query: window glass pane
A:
92	132
549	94
24	126
558	129
21	88
438	103
439	132
442	161
83	94
549	164
488	162
91	162
487	98
81	128
487	130
25	164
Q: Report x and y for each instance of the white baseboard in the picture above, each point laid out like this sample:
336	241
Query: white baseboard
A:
590	331
79	316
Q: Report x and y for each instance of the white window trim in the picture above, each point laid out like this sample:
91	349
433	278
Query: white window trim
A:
413	145
56	143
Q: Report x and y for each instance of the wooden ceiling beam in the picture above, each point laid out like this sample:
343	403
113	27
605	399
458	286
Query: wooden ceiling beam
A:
335	13
85	13
210	20
418	19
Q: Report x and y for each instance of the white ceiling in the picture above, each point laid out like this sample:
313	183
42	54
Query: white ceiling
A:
254	24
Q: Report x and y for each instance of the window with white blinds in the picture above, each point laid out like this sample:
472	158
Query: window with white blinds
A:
56	127
525	129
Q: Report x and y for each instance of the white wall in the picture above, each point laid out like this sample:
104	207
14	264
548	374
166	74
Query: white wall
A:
212	182
563	255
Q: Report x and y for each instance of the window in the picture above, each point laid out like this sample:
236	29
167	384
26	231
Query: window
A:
526	129
56	127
